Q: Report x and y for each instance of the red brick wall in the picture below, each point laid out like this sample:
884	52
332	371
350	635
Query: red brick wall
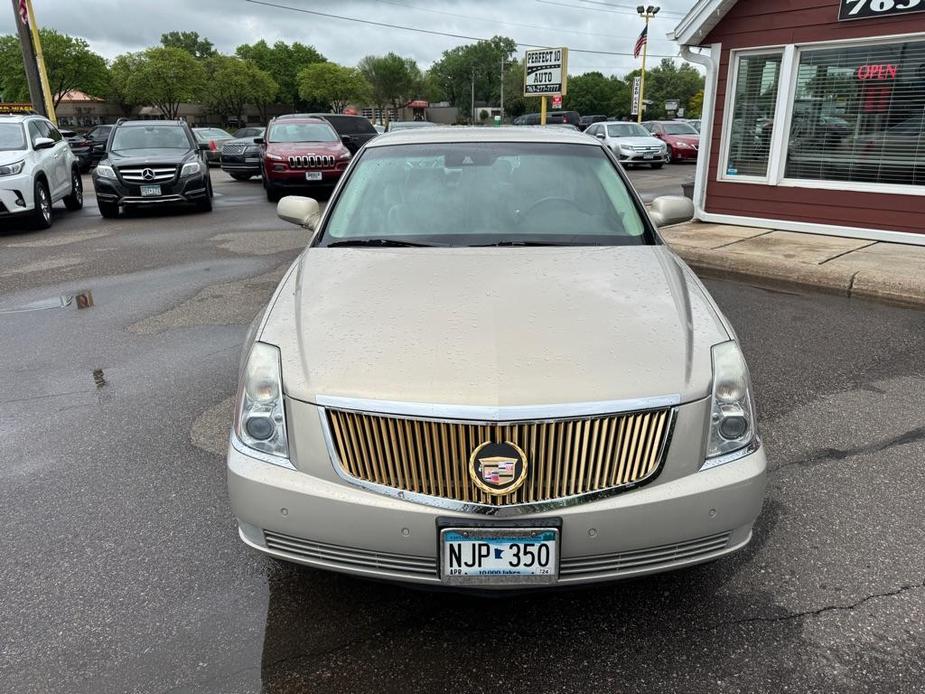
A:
755	23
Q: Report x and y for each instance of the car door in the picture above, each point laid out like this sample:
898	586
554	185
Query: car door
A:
42	159
60	161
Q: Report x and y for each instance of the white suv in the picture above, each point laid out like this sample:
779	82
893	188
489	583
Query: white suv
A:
37	168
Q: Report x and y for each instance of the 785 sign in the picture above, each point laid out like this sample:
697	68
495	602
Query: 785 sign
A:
866	9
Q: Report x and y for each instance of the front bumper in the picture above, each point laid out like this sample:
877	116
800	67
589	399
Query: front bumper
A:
641	157
187	189
16	194
322	521
685	154
240	164
294	179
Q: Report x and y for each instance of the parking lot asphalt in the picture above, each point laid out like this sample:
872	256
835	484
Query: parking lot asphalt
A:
122	571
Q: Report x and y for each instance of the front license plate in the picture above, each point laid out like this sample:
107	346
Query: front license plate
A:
490	556
150	191
648	156
312	175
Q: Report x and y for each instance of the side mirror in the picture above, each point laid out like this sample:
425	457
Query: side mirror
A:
600	136
43	143
259	141
671	209
305	212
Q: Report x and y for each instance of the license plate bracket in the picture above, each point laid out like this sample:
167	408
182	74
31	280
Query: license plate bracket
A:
150	191
512	553
312	175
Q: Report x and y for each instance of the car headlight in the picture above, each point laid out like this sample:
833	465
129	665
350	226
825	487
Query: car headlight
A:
191	168
252	150
732	413
274	157
683	145
105	171
260	419
12	169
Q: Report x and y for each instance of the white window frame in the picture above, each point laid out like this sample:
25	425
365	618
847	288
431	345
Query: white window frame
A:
735	57
849	186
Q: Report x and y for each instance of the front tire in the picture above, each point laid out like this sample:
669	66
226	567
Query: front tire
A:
108	210
75	200
41	215
669	156
241	177
205	205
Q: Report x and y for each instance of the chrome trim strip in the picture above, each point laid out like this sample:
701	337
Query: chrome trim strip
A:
752	446
489	414
480	509
243	449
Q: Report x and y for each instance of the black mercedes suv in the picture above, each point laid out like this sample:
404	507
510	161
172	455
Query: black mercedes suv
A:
152	162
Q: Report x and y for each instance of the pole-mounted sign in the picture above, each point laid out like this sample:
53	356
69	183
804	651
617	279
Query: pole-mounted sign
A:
23	12
545	74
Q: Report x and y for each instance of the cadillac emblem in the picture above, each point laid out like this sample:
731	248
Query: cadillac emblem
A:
498	468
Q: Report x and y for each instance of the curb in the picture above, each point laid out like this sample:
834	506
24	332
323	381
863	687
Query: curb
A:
849	282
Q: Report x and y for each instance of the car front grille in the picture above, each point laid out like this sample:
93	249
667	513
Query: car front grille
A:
234	149
338	556
565	458
311	161
156	173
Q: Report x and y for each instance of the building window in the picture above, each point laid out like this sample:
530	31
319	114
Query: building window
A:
859	115
753	104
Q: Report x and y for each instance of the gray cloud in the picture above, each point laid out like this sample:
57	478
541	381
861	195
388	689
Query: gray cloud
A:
116	26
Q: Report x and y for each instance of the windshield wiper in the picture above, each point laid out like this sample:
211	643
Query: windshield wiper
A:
394	243
518	243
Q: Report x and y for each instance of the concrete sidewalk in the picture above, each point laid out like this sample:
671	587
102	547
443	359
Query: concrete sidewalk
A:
852	267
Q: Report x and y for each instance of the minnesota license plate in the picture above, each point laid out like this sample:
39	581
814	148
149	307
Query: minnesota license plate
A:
149	191
488	556
648	156
312	175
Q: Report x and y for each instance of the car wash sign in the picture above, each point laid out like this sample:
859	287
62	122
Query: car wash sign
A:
868	9
546	72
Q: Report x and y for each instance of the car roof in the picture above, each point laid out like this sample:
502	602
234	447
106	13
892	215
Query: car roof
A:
463	134
302	119
134	123
18	117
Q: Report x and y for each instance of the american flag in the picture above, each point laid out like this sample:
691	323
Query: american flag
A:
641	41
24	12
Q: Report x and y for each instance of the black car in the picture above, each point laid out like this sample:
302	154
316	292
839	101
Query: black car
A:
82	147
585	121
98	136
552	118
354	131
240	157
152	162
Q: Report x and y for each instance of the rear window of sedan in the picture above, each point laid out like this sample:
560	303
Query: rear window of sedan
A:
470	194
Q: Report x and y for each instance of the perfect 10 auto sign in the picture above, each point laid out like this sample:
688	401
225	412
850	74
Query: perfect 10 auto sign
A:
545	72
867	9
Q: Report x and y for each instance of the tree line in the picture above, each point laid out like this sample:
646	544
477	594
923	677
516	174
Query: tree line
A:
186	68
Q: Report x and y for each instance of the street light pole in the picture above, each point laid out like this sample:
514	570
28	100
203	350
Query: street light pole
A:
646	13
502	89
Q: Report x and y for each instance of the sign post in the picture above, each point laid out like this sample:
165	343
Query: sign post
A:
637	92
545	74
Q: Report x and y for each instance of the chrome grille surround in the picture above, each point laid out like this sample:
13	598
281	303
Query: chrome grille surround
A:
159	173
595	450
311	161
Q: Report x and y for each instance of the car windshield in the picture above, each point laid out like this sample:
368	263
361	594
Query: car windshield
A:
302	132
150	137
627	130
11	137
679	129
476	194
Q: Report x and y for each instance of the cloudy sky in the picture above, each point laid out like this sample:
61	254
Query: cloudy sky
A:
608	26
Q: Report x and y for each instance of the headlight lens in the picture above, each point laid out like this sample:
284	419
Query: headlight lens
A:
105	171
274	157
260	421
732	414
12	169
190	168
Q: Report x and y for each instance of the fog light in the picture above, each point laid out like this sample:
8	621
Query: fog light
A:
733	427
260	427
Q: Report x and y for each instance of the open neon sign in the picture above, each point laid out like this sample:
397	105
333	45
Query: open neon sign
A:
878	72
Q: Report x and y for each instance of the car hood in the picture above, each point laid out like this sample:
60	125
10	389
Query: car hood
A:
239	141
12	157
286	149
493	326
137	157
639	141
689	139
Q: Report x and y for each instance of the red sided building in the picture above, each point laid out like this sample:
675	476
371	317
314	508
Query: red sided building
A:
814	115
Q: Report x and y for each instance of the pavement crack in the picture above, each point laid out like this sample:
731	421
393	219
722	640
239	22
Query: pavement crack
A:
816	612
854	276
824	454
849	252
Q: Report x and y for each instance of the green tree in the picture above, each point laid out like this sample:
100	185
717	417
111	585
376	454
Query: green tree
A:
68	60
515	103
189	41
120	72
233	83
393	80
333	85
282	62
475	65
164	78
591	94
665	82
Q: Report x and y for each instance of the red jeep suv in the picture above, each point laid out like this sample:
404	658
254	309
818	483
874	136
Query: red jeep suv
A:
301	155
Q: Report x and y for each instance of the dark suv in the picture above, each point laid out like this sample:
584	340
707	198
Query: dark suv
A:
151	162
552	118
354	131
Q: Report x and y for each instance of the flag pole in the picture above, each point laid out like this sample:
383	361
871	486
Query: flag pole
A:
40	61
642	81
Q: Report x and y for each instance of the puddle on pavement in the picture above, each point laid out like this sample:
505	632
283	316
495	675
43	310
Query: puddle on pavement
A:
79	300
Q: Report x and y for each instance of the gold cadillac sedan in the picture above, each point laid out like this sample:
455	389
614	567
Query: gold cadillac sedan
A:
487	370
